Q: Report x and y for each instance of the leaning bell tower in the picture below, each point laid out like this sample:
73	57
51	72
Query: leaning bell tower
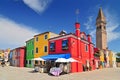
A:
101	34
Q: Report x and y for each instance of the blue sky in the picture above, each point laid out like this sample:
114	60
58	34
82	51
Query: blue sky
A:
20	20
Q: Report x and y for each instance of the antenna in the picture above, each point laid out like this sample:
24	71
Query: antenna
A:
77	13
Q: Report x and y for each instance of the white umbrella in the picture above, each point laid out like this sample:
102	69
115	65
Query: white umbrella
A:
61	60
72	60
38	59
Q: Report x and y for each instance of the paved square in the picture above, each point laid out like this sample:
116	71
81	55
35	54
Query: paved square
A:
15	73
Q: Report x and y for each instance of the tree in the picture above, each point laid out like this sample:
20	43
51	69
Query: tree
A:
97	54
118	57
118	54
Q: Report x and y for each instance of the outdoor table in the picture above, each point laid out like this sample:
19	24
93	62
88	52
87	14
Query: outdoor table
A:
55	71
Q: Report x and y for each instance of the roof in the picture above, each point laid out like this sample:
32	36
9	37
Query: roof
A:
62	36
63	32
22	47
101	15
42	33
29	39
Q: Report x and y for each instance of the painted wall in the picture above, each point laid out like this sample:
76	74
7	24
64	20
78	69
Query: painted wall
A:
101	56
58	46
77	49
21	57
1	54
18	57
41	43
29	52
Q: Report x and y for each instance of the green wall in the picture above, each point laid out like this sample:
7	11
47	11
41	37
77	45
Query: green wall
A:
29	52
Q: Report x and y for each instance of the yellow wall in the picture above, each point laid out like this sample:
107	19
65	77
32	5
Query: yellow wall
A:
40	45
101	56
110	58
2	54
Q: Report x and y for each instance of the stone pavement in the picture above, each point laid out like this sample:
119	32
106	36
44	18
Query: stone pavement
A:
14	73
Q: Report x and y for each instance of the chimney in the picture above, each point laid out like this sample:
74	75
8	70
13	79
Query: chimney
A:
89	38
77	32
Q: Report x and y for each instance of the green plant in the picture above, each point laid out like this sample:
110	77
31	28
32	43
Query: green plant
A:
118	57
96	55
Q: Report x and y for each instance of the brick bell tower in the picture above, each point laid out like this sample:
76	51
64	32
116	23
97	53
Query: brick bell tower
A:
101	34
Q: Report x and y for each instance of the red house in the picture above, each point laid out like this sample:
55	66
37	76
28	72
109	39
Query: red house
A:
78	45
18	57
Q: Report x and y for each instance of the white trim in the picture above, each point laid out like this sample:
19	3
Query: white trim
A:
61	37
79	38
66	37
85	41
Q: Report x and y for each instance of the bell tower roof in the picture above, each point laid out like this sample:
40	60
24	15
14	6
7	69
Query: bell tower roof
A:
101	16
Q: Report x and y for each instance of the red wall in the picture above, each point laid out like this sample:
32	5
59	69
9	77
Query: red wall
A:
58	46
77	51
22	57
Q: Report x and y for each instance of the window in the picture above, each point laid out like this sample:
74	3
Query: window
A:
32	52
36	62
104	27
100	27
86	47
36	38
45	37
93	62
52	46
65	44
29	61
82	36
26	62
45	48
36	50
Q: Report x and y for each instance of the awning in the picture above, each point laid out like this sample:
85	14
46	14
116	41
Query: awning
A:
56	56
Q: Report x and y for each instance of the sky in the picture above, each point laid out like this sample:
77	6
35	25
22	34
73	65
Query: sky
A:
20	20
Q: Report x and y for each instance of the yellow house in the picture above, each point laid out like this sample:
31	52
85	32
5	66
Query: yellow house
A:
112	59
101	58
41	43
6	54
1	54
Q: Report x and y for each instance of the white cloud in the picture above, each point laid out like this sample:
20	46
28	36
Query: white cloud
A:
88	24
38	5
112	25
13	34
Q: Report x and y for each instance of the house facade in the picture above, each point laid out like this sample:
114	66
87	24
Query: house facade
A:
79	46
6	54
18	57
29	52
41	43
1	54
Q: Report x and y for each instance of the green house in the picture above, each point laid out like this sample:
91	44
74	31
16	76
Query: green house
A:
29	52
